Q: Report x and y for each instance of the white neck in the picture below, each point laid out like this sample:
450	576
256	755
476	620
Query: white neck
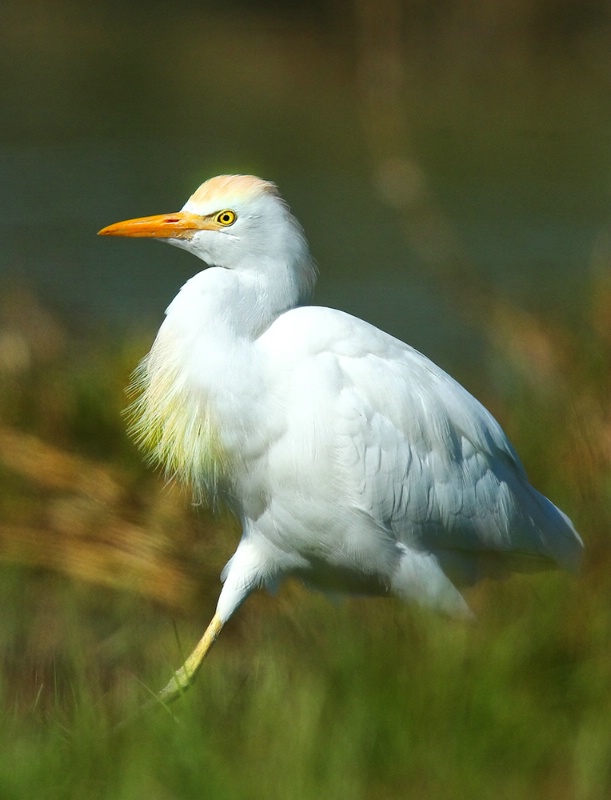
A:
202	365
239	304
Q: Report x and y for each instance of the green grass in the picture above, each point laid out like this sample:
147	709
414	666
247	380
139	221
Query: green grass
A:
300	698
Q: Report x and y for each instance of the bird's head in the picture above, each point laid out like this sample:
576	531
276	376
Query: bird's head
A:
237	222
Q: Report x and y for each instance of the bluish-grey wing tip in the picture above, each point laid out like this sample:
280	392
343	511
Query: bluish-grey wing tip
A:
571	545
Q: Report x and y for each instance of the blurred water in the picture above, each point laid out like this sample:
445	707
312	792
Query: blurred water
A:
107	117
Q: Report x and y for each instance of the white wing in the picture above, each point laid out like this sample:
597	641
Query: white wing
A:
415	451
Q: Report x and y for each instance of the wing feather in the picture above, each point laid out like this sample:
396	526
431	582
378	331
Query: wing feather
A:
415	451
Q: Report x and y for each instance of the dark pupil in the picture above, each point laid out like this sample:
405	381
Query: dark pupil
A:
225	217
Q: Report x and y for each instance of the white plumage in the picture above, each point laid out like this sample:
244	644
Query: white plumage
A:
352	461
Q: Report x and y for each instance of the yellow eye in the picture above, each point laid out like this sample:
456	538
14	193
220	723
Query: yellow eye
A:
225	218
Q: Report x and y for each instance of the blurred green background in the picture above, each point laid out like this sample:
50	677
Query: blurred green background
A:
451	163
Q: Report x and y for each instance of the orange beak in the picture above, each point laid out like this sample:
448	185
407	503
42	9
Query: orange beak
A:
181	225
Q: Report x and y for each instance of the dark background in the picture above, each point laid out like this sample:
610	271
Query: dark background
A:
406	136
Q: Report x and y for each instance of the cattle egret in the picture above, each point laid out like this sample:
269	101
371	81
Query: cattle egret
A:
352	461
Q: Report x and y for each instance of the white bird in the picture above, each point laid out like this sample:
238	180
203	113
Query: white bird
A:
352	461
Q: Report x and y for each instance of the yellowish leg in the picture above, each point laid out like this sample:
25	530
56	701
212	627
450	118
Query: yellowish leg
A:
185	676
